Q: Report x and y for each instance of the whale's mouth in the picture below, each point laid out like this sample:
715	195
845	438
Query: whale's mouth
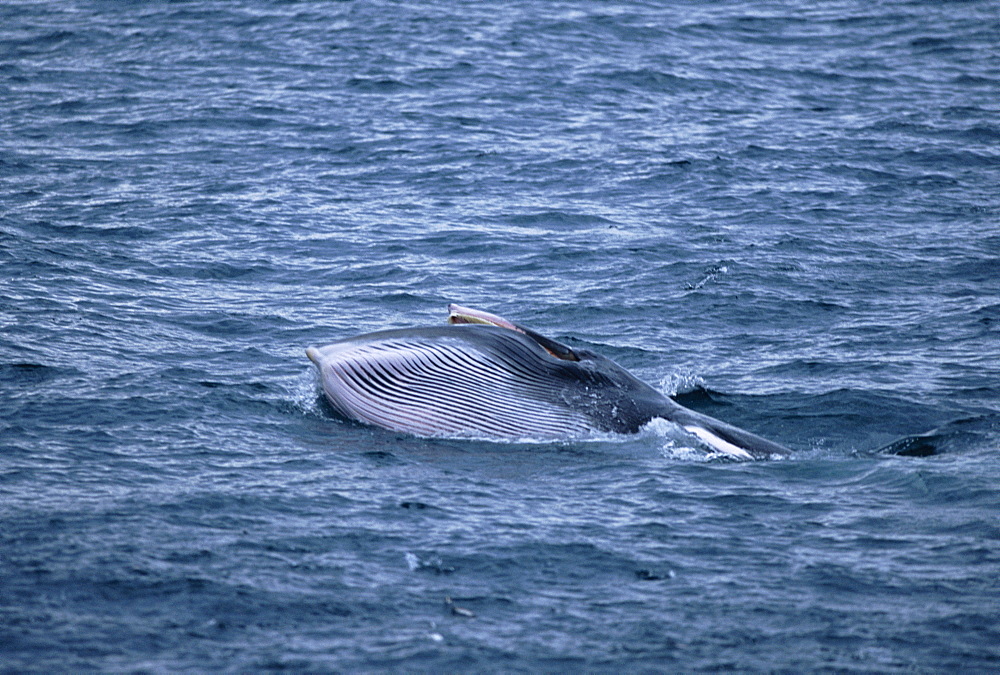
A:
466	315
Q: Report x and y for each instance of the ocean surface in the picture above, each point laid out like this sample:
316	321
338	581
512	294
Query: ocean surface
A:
787	214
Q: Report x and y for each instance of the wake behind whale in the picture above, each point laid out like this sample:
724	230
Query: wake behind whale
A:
484	376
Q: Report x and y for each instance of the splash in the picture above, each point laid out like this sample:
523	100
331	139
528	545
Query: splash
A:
676	383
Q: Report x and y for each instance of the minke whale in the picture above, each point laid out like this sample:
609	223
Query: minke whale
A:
483	376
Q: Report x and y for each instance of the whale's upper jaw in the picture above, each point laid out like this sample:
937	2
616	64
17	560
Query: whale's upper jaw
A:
458	314
461	315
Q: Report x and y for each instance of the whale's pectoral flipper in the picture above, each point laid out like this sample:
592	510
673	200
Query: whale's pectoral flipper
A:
724	437
488	377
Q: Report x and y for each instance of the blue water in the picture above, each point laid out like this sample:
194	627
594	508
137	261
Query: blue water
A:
786	213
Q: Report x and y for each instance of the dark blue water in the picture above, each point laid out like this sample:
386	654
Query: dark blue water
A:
788	213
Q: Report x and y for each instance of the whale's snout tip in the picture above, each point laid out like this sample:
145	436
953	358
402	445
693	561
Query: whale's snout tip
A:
313	355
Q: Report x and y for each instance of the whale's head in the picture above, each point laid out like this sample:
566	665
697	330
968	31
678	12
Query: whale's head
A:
481	373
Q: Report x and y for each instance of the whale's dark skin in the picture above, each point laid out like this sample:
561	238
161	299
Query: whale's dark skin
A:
486	364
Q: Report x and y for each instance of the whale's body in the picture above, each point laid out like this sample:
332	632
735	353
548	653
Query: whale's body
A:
489	378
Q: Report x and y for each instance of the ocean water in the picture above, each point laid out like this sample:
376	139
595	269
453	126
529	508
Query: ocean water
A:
785	213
